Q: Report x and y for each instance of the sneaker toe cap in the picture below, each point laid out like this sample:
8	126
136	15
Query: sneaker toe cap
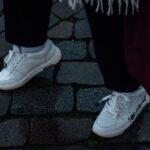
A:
108	123
105	121
6	82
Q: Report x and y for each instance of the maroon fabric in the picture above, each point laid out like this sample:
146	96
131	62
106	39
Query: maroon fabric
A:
137	44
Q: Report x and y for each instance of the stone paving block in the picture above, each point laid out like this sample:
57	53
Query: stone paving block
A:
144	132
80	72
82	29
81	15
53	20
59	130
5	99
1	5
88	99
13	132
63	30
54	1
73	50
47	73
73	147
143	147
92	50
148	107
17	149
26	148
4	46
123	146
63	10
78	147
2	23
45	78
42	100
45	147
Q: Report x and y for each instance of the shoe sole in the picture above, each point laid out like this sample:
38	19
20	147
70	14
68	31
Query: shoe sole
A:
53	61
98	131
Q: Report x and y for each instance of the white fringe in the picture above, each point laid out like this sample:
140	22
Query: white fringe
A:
134	4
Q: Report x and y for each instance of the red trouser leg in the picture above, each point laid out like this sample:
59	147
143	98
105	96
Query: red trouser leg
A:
137	44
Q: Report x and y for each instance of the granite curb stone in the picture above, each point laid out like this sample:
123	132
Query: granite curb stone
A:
13	132
59	130
42	100
80	73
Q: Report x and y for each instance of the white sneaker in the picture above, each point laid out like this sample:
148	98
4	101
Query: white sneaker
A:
119	112
21	67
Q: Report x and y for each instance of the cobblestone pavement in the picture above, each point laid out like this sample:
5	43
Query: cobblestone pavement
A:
55	110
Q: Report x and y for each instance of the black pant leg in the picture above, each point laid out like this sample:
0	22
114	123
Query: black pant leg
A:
109	48
26	21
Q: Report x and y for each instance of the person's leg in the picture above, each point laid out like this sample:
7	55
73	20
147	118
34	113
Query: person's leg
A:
127	100
26	21
108	41
26	26
137	44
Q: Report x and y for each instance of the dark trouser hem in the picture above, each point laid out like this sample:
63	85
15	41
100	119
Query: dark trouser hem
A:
109	49
26	21
26	43
125	89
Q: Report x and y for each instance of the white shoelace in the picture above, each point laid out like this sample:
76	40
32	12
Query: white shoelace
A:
10	64
116	103
8	57
5	72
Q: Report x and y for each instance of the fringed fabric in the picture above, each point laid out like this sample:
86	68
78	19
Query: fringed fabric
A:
99	5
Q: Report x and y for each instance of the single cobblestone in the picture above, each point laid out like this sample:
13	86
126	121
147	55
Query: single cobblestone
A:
47	73
13	132
92	50
42	100
82	29
148	107
78	147
5	99
144	132
69	148
143	147
43	147
4	46
45	78
80	73
53	20
121	147
54	1
2	23
58	9
63	30
59	131
81	15
73	50
1	5
88	99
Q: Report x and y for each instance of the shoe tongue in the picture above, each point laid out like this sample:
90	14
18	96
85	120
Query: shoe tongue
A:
17	49
10	60
113	103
